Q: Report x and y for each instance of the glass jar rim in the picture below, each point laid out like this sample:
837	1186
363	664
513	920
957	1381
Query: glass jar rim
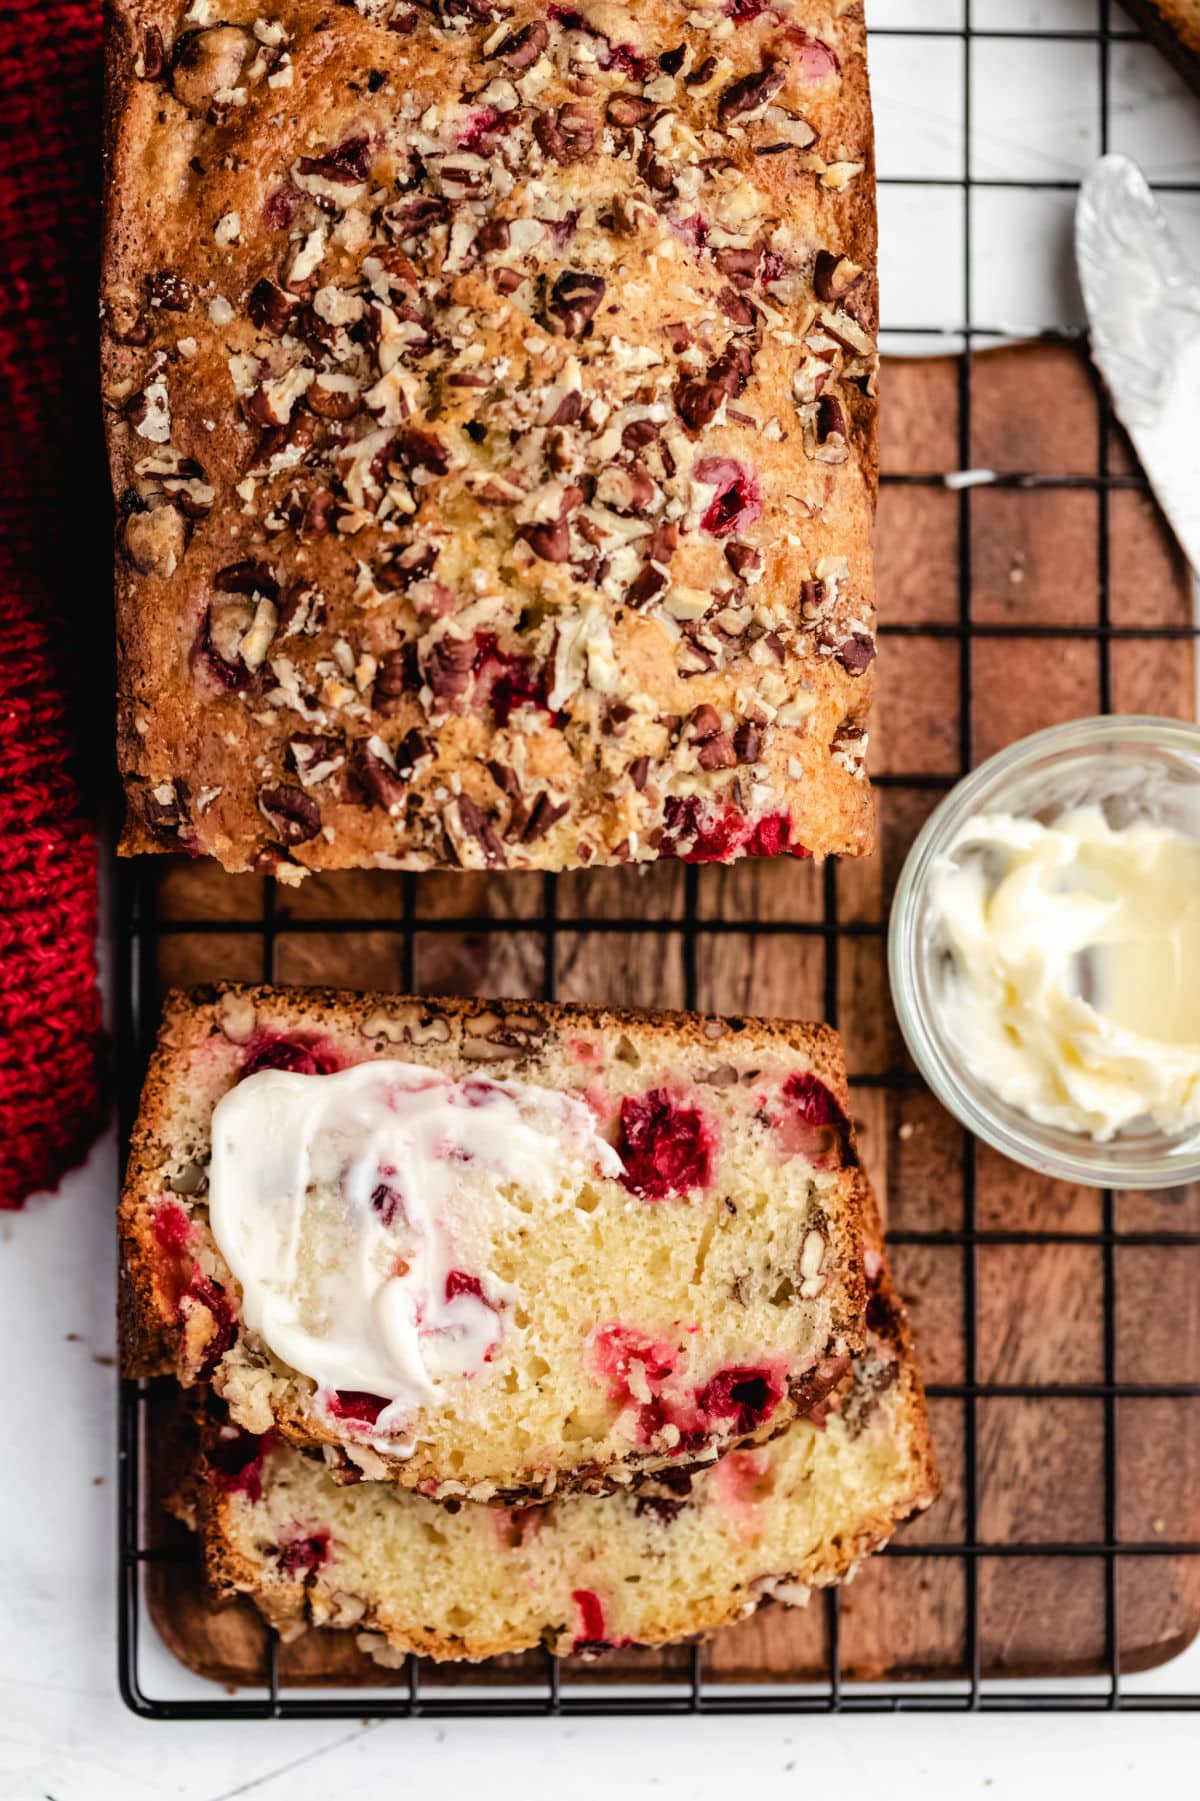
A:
1118	1163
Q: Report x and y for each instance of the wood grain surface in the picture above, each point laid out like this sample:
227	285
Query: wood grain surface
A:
1036	557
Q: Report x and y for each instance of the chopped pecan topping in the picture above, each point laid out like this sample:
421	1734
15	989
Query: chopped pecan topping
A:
521	48
567	135
743	559
574	299
209	63
154	55
749	98
171	292
857	653
384	785
448	668
295	815
270	307
835	276
627	110
747	743
529	537
314	756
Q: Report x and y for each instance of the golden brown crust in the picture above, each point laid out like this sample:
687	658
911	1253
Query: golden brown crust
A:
905	1483
182	1304
333	659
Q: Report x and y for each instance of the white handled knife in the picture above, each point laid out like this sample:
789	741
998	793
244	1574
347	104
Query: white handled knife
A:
1143	304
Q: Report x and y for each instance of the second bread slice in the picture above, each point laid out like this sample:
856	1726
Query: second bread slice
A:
493	1249
680	1558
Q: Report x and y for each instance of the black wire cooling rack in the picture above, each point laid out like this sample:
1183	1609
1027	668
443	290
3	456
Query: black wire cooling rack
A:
553	924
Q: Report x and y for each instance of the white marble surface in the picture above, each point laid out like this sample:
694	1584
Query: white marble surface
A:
64	1734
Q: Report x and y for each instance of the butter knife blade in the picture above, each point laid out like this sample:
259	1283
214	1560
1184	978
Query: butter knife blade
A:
1143	305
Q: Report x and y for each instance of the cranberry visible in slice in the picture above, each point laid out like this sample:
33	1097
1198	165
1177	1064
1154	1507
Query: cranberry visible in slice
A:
346	162
171	1226
505	680
665	1148
304	1552
590	1637
202	1291
812	1122
388	1203
458	1282
738	500
478	128
307	1057
772	837
237	1461
814	58
746	1393
694	840
279	212
639	1372
355	1404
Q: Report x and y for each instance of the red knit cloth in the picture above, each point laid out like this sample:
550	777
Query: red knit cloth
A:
54	588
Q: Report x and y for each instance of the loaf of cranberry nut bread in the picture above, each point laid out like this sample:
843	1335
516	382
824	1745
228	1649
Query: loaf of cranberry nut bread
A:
493	1249
681	1556
489	389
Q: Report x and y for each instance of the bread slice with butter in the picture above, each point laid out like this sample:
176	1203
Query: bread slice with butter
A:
493	1250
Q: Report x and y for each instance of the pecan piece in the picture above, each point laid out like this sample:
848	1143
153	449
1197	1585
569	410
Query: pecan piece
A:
857	653
814	597
411	750
649	581
548	539
247	577
155	540
295	815
171	292
154	54
699	402
717	753
448	668
478	825
743	559
166	808
333	396
574	299
319	509
404	567
383	785
747	742
833	435
207	63
628	109
737	265
835	276
736	309
519	49
314	756
568	134
749	98
270	307
419	450
542	815
392	679
705	723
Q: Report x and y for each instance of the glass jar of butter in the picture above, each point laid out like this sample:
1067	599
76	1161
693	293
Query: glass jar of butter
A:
1045	952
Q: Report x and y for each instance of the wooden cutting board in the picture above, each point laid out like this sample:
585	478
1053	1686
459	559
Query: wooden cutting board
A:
1047	565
